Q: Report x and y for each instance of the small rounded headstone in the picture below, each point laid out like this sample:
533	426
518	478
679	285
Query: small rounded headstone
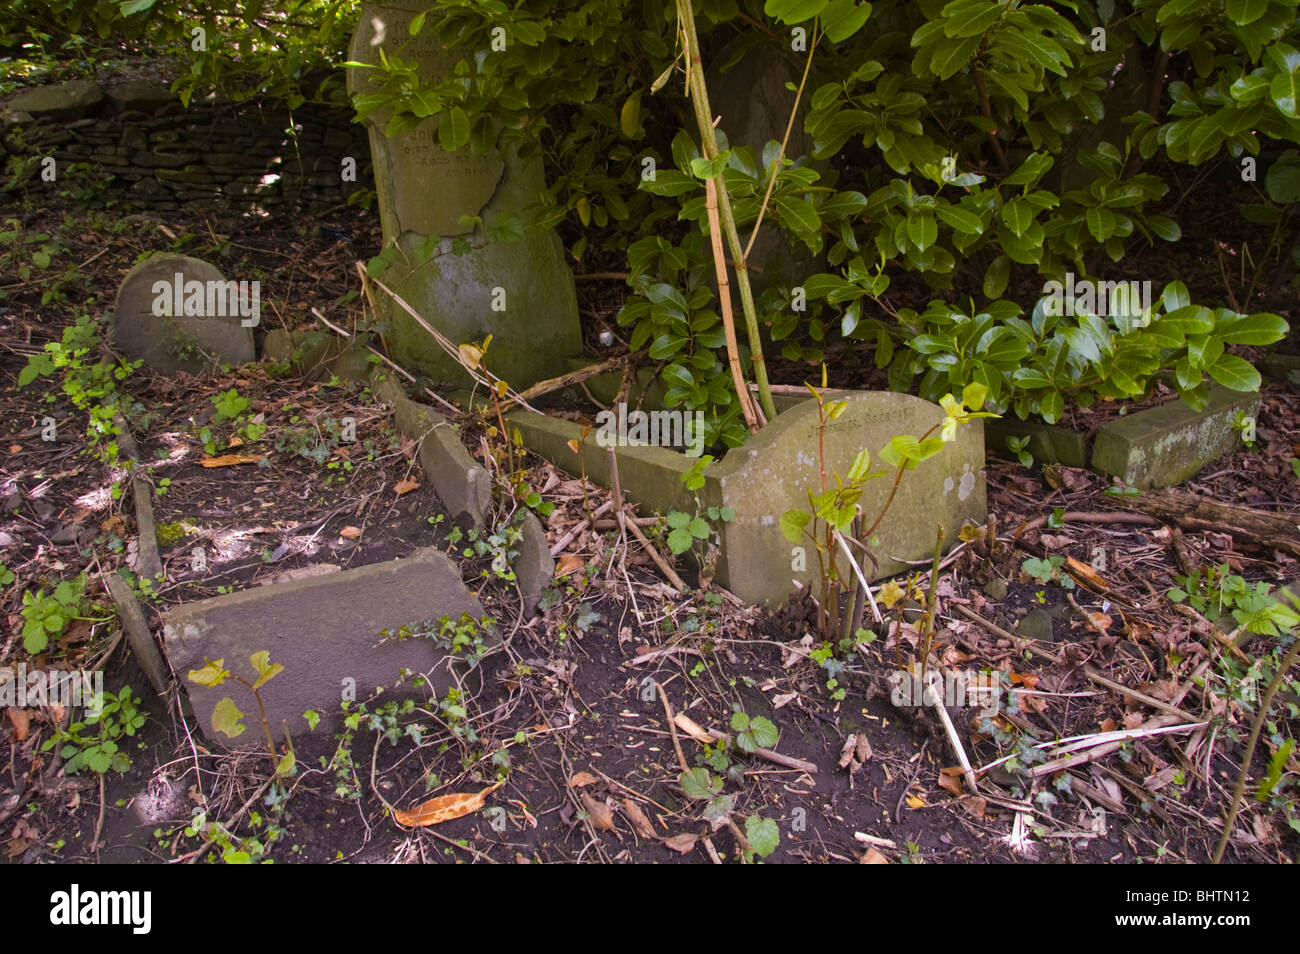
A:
178	313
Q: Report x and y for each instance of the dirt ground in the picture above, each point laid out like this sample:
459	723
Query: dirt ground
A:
572	740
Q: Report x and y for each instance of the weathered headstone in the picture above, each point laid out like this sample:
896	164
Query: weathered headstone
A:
325	631
521	292
175	313
754	103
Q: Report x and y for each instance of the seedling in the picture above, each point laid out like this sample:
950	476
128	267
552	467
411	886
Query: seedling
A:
226	715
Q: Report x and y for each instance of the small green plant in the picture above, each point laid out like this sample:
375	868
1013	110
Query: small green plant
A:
1017	446
1049	570
1295	467
1244	424
96	741
6	575
761	835
226	715
834	518
230	406
92	385
45	617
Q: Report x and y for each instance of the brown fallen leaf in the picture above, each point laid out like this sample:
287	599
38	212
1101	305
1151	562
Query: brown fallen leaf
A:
683	844
568	563
1084	573
864	752
406	486
15	448
443	808
975	805
114	525
230	460
949	782
849	750
873	857
21	721
915	801
602	819
350	533
582	780
1100	620
638	819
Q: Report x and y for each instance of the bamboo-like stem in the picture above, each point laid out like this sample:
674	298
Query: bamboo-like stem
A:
724	298
709	144
930	600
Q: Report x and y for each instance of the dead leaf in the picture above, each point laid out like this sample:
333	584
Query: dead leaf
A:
1133	720
916	801
873	857
568	563
1084	573
1100	620
15	448
229	460
114	525
976	805
574	446
848	750
582	779
683	844
444	808
406	486
21	721
1108	725
783	699
864	748
950	783
350	533
602	819
638	819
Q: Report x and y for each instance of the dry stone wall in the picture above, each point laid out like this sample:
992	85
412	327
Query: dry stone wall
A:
157	154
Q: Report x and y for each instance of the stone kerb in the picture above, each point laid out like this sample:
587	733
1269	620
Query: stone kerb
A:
773	472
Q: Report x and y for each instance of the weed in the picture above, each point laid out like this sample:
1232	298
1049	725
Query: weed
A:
95	742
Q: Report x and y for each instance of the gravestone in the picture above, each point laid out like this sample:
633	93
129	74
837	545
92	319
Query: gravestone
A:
520	292
183	332
752	97
326	631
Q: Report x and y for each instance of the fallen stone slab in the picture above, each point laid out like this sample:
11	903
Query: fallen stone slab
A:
325	631
1165	445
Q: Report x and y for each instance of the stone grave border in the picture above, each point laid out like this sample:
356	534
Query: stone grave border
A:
1155	447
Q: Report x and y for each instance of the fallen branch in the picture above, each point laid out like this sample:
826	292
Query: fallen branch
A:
1272	530
1088	671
